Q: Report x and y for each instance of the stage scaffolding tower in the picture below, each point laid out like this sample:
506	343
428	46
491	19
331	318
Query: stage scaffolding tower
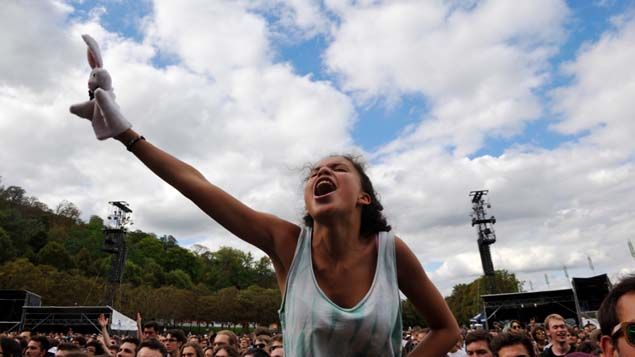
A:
115	244
486	235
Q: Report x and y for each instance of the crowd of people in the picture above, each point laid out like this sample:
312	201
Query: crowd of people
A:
554	337
150	342
615	336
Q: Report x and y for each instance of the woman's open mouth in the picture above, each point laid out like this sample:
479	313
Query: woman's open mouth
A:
323	187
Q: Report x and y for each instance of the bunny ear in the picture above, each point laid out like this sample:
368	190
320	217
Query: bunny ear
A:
94	54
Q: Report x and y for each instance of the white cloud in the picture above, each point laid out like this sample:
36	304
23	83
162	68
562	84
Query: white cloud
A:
210	36
599	99
33	52
477	67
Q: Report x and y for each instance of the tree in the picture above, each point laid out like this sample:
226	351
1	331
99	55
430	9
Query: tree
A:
265	275
54	254
168	241
14	195
229	267
178	278
465	300
182	259
68	210
7	250
410	316
38	241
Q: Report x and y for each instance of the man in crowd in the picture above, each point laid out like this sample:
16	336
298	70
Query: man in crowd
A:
617	319
152	348
245	342
225	338
173	342
38	346
150	330
65	348
479	344
557	332
513	345
128	347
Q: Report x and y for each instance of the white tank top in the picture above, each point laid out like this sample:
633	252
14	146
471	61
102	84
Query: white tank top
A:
314	326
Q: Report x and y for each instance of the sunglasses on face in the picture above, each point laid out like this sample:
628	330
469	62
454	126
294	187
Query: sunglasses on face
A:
260	345
627	329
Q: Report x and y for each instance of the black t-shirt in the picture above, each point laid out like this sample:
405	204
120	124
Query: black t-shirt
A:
549	352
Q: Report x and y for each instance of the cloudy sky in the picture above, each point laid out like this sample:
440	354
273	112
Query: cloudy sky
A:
527	99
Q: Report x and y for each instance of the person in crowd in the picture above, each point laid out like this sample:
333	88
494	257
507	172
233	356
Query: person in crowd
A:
94	348
113	349
23	343
255	352
225	351
617	319
515	326
38	346
261	342
129	346
102	320
65	348
457	350
539	336
174	339
557	331
261	330
589	327
276	346
191	349
478	343
245	342
512	345
225	338
9	347
572	338
150	330
80	341
589	347
208	351
152	348
26	334
344	243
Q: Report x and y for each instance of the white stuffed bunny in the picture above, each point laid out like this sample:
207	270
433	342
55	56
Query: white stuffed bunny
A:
101	109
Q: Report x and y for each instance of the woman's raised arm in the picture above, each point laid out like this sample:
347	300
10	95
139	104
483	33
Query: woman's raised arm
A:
263	230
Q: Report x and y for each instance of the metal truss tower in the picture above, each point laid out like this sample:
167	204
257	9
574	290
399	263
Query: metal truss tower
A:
115	244
486	235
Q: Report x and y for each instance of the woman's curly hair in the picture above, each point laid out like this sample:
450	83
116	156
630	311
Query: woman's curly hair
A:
373	220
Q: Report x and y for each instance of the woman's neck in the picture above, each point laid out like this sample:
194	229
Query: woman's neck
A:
337	240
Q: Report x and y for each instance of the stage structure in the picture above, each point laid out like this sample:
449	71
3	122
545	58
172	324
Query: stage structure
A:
115	244
578	304
11	304
486	235
82	319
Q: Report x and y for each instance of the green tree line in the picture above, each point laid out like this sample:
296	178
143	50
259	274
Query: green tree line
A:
55	254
